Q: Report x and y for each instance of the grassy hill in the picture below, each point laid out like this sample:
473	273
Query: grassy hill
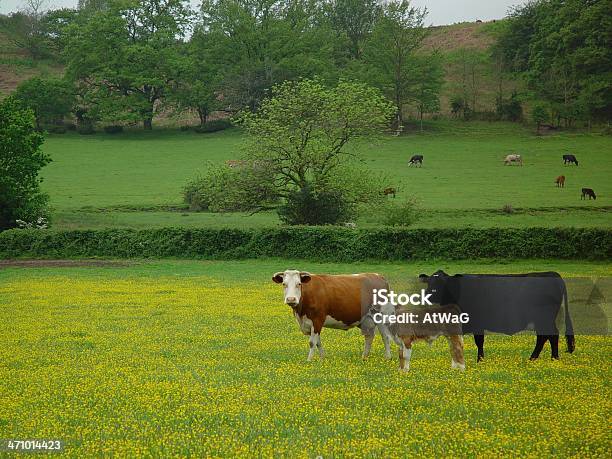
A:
135	179
16	66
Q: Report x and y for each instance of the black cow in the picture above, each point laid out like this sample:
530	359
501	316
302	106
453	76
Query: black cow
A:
506	303
588	192
416	159
569	159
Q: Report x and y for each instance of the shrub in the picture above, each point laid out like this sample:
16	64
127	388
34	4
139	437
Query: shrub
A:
402	213
307	207
113	129
214	126
21	160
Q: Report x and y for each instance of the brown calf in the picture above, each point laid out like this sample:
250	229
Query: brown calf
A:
421	330
560	181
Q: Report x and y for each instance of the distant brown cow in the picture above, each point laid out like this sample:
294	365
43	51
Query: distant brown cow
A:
389	190
588	192
560	181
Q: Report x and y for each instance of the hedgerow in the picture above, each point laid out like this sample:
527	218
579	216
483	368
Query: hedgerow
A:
312	243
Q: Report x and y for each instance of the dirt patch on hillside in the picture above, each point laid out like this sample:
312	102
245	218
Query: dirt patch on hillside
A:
62	264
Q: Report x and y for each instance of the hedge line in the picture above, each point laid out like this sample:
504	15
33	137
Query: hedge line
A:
312	243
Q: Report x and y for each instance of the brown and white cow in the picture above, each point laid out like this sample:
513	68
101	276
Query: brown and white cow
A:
333	301
405	334
509	159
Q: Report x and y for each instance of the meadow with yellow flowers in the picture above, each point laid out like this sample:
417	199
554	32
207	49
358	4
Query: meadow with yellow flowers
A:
180	358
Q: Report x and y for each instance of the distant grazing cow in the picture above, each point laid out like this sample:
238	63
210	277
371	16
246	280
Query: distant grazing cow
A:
389	190
588	192
506	303
569	159
560	181
233	163
513	159
416	159
404	334
341	302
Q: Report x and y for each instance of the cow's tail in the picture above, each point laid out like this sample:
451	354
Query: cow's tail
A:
569	327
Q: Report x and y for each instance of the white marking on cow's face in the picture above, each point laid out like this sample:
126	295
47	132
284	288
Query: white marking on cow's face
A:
292	281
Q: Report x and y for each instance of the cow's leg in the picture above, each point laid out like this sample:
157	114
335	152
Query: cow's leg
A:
312	342
554	346
455	343
385	334
405	353
479	340
368	345
540	341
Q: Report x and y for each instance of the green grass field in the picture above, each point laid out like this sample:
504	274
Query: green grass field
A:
126	180
177	358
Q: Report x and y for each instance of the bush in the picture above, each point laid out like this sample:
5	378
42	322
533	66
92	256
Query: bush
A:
306	207
214	126
399	213
331	243
113	129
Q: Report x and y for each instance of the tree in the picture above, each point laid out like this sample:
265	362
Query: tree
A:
562	49
353	21
50	99
539	116
128	55
429	79
301	137
25	28
259	44
389	53
20	162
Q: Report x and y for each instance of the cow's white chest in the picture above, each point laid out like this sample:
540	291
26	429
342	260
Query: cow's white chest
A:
330	322
304	323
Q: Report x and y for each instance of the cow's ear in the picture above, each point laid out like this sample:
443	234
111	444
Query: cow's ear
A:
423	277
278	277
305	277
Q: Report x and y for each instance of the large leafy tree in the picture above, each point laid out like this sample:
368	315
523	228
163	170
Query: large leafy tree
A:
390	51
128	55
20	162
353	21
257	44
562	48
303	135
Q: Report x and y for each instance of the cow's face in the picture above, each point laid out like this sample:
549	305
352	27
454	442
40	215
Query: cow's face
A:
292	281
436	286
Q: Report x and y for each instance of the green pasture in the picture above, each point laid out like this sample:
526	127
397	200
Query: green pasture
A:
130	179
182	358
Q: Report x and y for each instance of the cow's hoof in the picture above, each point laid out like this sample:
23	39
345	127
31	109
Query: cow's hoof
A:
404	370
458	366
532	359
388	356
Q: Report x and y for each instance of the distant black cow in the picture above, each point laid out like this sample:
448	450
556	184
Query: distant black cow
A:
416	159
507	304
588	192
569	159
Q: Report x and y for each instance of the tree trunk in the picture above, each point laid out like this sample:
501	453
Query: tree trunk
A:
421	116
147	123
203	114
